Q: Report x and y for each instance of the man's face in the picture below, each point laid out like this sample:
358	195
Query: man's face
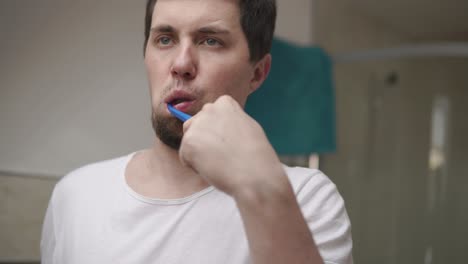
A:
196	52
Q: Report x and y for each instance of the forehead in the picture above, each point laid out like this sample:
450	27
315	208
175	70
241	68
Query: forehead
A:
197	13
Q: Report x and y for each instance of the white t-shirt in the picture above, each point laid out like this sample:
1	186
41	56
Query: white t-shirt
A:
95	217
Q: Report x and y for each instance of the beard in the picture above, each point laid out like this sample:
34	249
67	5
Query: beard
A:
168	129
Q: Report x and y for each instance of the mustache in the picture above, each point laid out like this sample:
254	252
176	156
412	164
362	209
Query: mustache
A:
194	90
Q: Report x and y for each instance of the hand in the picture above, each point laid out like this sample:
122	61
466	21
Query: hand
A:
228	148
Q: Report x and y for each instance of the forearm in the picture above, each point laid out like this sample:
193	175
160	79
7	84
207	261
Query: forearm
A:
275	227
248	169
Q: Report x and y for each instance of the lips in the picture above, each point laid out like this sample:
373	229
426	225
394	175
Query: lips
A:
181	100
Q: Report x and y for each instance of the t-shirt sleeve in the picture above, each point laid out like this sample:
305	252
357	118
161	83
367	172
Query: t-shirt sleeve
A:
325	213
48	235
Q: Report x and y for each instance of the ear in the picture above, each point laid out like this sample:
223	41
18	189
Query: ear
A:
261	70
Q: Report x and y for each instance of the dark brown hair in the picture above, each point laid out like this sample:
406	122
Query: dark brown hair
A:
257	18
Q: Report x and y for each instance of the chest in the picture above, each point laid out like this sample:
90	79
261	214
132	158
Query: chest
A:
136	233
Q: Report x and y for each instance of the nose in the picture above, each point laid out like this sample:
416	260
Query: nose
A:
184	66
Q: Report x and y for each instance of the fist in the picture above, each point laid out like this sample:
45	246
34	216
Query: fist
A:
227	147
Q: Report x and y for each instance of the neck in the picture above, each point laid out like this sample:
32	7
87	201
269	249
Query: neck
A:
157	172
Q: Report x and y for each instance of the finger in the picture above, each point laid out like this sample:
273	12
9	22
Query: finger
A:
227	102
186	125
182	154
185	155
206	107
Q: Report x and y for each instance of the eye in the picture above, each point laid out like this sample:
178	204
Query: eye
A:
211	42
164	41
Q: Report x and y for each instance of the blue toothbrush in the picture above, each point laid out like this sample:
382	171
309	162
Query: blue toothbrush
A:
180	115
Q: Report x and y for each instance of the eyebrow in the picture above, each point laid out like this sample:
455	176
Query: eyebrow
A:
213	30
163	29
204	30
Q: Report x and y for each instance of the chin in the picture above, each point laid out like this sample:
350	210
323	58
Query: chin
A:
168	129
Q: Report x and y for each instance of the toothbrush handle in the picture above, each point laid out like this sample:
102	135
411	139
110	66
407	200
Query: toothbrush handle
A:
179	114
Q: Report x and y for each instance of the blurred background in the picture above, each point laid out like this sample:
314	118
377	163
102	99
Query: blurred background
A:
73	90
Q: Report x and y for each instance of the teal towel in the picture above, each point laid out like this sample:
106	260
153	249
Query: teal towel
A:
296	105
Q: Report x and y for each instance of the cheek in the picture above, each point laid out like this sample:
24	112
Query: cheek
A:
153	70
232	79
154	75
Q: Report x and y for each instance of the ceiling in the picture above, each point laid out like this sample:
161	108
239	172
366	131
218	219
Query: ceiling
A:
421	19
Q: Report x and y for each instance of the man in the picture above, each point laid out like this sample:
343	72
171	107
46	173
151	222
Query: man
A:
210	190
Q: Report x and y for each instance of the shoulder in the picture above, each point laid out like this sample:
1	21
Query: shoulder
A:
94	175
317	195
324	210
315	192
307	180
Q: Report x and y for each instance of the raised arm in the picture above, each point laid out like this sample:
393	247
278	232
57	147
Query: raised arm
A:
230	150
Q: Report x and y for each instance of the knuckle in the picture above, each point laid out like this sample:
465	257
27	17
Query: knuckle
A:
226	101
225	98
207	106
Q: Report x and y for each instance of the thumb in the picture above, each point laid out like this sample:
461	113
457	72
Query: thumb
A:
185	162
184	151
